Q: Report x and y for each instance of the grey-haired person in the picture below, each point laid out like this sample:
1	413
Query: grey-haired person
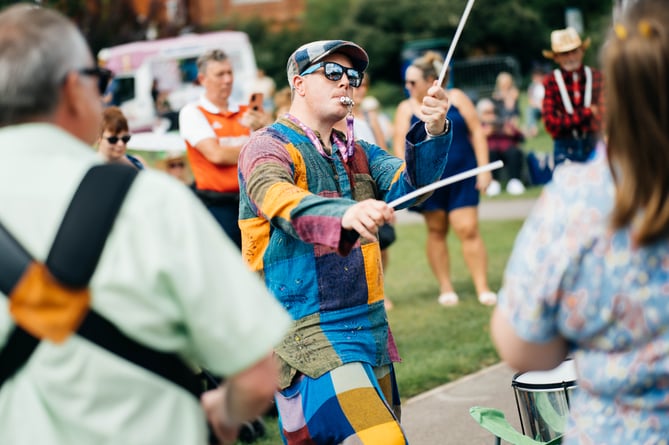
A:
167	279
312	200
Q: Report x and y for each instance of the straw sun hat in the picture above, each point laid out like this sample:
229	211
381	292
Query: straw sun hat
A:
565	40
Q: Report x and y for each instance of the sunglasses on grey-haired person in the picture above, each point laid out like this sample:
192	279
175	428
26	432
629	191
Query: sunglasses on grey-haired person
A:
114	139
334	71
103	75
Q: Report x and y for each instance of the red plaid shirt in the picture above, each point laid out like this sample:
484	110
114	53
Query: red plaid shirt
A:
557	121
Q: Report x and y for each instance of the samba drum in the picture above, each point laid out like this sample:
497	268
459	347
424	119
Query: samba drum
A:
542	398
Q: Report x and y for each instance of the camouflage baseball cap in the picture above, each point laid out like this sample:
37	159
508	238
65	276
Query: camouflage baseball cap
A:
310	53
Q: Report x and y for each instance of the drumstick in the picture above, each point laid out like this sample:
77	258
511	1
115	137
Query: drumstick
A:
451	50
446	181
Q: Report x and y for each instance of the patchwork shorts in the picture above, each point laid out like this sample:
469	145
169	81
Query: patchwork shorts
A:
347	405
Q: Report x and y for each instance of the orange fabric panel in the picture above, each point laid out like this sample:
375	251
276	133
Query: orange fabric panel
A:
45	308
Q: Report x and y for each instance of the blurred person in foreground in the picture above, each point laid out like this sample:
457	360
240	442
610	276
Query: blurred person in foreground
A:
215	128
312	202
588	274
167	278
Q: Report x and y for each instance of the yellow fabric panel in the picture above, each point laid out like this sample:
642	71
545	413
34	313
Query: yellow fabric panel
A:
255	238
373	271
300	175
281	199
364	409
388	433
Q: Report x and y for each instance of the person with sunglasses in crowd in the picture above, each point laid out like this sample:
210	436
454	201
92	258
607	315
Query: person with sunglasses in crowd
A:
114	137
454	206
312	200
175	164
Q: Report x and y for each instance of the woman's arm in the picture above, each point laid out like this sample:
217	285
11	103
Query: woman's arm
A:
401	127
523	355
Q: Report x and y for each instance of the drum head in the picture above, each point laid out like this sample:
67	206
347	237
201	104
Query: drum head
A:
554	378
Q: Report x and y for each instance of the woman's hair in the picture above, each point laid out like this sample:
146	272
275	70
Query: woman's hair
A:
636	75
38	48
113	120
504	79
430	64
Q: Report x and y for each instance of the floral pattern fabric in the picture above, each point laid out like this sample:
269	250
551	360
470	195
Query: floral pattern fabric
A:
571	275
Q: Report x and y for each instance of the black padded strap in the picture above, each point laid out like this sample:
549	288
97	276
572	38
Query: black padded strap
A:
72	260
82	235
16	352
103	333
74	254
14	260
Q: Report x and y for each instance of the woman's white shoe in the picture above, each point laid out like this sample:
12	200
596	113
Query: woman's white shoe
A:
448	299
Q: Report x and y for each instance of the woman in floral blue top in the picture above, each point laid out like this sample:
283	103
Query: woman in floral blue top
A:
589	273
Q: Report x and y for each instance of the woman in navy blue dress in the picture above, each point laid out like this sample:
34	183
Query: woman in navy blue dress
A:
454	206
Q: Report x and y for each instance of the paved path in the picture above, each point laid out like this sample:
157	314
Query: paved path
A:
441	416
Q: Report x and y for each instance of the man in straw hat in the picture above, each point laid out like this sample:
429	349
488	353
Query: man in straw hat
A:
571	108
312	200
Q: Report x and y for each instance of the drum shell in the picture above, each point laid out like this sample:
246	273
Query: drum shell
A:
543	408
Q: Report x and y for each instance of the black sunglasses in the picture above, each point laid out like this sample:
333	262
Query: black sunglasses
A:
176	165
103	75
334	71
114	139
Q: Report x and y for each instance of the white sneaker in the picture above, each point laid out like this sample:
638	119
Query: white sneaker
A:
515	187
493	189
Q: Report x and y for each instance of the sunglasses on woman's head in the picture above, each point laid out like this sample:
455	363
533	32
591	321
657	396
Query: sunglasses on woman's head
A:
114	139
334	71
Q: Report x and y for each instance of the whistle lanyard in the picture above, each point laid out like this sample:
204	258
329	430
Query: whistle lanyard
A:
345	150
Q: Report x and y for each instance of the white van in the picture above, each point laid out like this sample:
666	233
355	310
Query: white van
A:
171	64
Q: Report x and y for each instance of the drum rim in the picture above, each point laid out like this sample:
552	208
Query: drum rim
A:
560	384
555	385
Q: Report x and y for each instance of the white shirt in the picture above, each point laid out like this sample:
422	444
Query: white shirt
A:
194	126
167	277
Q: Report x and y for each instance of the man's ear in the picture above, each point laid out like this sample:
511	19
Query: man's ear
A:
298	85
72	100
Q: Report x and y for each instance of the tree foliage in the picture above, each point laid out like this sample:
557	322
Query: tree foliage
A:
510	27
520	28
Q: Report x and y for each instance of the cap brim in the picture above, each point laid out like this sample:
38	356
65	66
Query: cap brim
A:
358	56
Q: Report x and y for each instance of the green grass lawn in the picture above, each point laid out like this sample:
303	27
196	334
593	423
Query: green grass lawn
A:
437	344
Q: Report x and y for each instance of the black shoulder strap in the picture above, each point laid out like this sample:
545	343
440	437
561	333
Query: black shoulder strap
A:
72	260
81	237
